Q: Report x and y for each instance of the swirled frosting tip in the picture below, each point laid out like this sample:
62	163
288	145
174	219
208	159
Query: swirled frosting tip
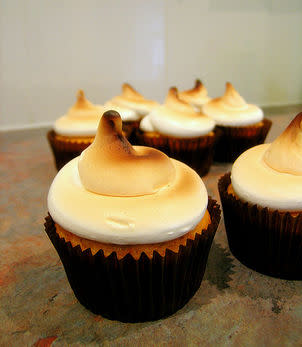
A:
82	102
174	101
285	153
111	166
232	98
129	92
198	90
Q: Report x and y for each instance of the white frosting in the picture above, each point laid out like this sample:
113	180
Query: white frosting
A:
132	100
285	153
253	180
81	120
146	124
177	118
127	114
165	215
232	110
197	96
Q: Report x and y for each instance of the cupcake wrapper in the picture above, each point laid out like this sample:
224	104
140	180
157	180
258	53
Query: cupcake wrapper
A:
132	290
267	241
129	128
64	150
197	152
233	141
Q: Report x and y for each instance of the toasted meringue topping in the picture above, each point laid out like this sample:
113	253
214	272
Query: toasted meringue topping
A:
285	153
270	175
81	119
126	113
119	194
196	96
83	108
232	98
130	98
232	110
145	170
177	118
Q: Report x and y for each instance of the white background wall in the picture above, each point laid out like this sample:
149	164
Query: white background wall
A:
50	48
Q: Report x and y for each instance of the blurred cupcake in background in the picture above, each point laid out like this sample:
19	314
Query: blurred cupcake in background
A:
182	133
240	125
197	96
74	131
132	107
262	205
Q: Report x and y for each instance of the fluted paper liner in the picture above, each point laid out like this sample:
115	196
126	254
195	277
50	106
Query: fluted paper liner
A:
233	141
133	290
66	149
268	241
195	152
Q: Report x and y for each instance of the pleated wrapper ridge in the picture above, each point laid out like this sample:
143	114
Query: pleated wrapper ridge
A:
136	290
195	152
233	141
268	241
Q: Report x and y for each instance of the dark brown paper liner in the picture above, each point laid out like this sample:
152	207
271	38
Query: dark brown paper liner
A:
65	149
195	152
129	128
233	141
132	290
268	241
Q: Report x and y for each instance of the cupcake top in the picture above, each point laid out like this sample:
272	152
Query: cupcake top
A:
131	99
81	119
270	175
116	193
126	114
232	110
177	118
197	96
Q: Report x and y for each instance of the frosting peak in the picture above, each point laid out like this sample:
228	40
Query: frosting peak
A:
133	100
174	102
232	98
129	92
231	110
82	105
198	90
111	166
197	96
285	153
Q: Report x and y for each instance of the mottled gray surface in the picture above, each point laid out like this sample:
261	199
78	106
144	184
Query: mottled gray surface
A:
234	306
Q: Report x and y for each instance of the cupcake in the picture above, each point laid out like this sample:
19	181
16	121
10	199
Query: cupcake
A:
133	228
240	125
132	107
197	96
262	205
182	133
74	131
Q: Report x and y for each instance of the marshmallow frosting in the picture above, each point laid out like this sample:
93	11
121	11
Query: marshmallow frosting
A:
116	193
232	110
197	96
132	100
126	114
177	118
270	175
82	118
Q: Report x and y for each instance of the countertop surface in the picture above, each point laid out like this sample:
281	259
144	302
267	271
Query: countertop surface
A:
234	305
